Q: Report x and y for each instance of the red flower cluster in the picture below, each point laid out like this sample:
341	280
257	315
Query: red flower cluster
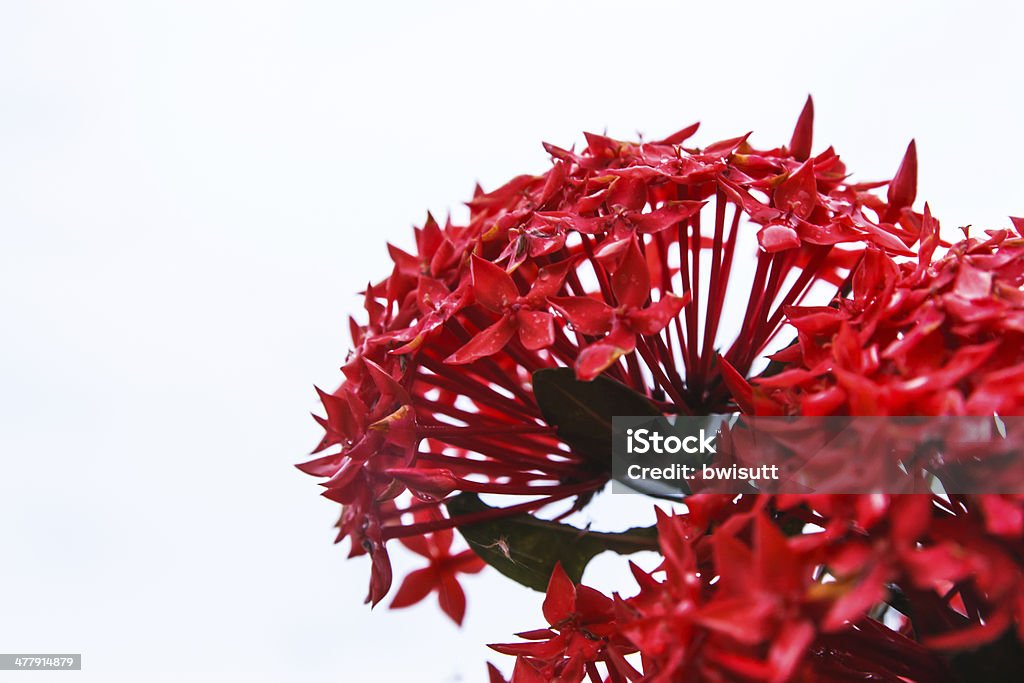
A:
740	601
619	261
915	338
736	601
596	264
440	574
879	591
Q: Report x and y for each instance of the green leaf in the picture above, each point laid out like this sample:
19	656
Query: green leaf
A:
582	411
526	549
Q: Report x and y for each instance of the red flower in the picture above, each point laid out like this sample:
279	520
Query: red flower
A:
440	575
495	290
437	395
582	631
924	338
738	601
621	260
618	327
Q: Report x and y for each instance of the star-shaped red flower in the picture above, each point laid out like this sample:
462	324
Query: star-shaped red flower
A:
441	574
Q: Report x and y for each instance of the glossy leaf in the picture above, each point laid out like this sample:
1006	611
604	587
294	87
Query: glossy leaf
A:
527	549
582	411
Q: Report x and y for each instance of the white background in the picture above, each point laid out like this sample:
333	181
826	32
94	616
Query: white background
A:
192	192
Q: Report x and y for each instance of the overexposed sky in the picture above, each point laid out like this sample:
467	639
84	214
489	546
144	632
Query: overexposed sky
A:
192	192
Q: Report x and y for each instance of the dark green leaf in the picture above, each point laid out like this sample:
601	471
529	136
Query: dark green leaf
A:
582	411
526	549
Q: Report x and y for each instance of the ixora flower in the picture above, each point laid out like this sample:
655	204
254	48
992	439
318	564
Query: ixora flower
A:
649	278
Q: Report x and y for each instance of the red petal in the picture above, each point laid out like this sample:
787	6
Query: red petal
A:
442	258
829	233
586	314
799	192
442	538
391	391
812	320
548	283
759	212
973	283
417	585
654	318
778	237
406	263
536	329
418	544
347	472
589	225
868	591
903	188
493	675
929	240
790	646
492	286
536	634
430	293
864	396
595	359
611	253
467	562
573	668
932	565
452	598
1018	225
485	343
560	600
631	282
777	567
741	617
723	148
824	402
874	277
738	386
602	145
1003	516
380	574
627	193
680	136
541	649
341	417
433	484
803	134
910	517
542	246
735	565
592	605
555	181
325	466
526	672
666	216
